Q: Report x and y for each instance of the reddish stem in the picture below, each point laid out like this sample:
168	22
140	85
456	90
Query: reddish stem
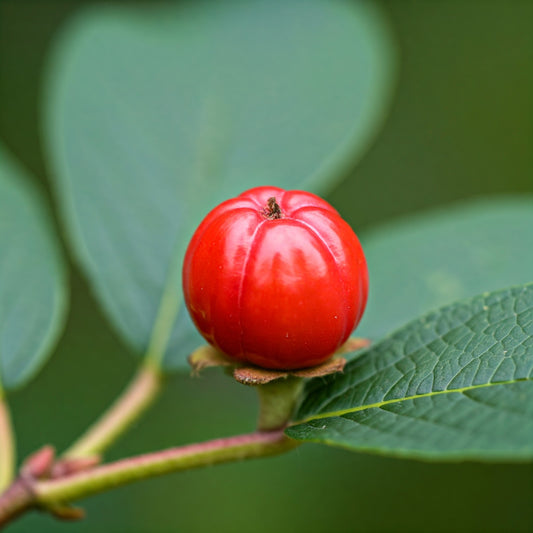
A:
27	492
17	499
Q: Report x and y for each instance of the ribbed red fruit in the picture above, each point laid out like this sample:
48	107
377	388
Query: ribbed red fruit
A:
275	278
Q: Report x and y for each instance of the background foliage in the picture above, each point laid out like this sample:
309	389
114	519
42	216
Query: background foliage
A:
460	126
149	122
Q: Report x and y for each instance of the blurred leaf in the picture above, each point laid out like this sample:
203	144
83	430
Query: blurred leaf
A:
429	260
154	116
33	291
454	384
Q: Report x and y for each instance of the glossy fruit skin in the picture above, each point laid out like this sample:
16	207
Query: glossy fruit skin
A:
280	293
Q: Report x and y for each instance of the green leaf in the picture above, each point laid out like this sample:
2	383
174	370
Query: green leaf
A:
430	260
33	293
154	116
454	384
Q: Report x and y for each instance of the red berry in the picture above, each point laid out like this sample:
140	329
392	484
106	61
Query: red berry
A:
275	278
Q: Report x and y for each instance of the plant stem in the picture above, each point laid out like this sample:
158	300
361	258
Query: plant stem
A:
102	478
277	401
137	397
27	492
7	446
17	499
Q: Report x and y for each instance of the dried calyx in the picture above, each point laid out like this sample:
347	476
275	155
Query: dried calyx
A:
279	390
272	209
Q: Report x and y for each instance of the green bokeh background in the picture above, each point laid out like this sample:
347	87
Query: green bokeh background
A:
461	125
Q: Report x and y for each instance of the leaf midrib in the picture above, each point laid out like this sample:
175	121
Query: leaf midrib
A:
377	405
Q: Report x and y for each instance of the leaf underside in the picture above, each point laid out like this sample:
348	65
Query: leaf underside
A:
455	384
32	278
154	116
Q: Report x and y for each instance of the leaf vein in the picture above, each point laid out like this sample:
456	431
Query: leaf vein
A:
379	405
